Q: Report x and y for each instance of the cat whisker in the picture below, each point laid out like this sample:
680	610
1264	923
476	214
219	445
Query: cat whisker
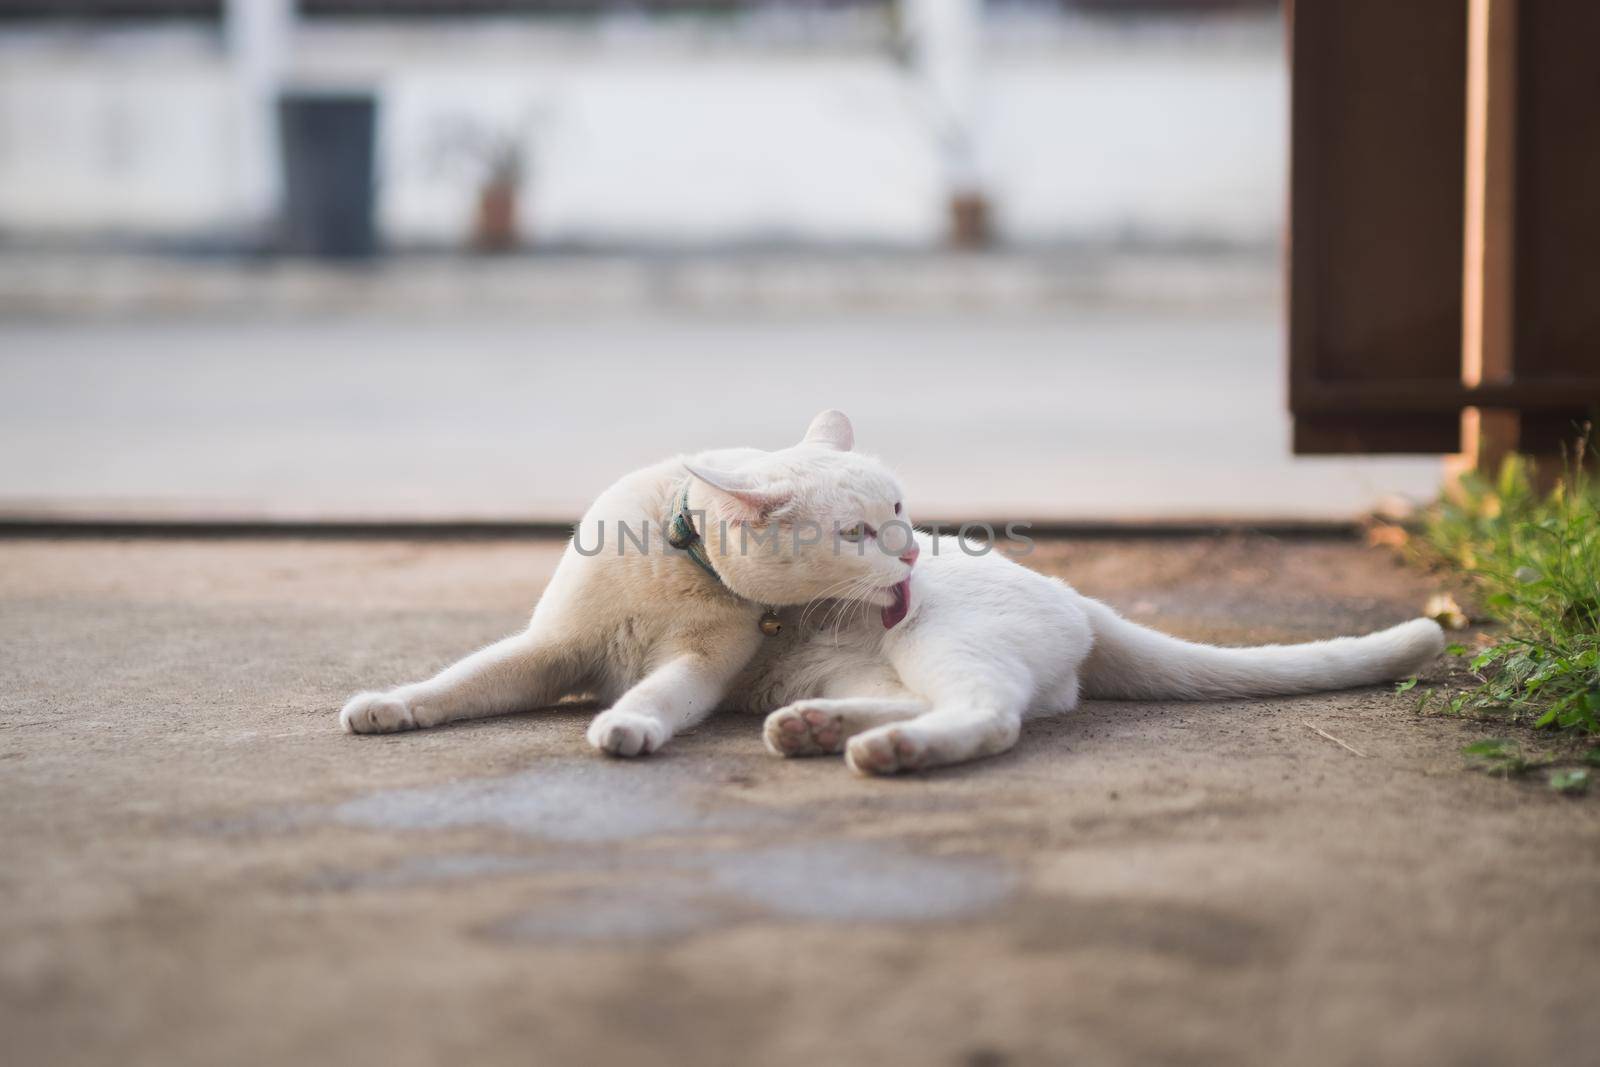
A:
846	611
826	596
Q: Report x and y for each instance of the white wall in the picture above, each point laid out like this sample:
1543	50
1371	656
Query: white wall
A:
1172	147
99	134
1090	136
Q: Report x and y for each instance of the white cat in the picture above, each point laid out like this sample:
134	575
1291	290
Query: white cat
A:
802	593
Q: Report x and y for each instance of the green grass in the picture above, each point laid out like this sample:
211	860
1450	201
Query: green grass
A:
1532	560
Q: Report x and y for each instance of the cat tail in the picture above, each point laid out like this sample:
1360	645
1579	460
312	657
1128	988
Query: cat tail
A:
1131	662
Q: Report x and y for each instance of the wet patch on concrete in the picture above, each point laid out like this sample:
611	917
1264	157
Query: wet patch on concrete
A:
727	863
694	890
592	800
860	881
686	891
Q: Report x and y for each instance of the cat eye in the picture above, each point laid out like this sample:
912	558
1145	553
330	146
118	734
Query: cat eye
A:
897	507
856	532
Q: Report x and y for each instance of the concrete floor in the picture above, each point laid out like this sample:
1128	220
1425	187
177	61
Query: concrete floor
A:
200	868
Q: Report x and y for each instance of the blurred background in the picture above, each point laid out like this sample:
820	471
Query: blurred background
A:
434	261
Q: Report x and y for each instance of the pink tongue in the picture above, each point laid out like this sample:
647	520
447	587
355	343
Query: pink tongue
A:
902	604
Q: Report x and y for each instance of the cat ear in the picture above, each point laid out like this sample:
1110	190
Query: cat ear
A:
751	502
831	429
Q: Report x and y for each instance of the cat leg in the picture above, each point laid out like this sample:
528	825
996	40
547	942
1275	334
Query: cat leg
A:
674	696
820	727
950	733
521	672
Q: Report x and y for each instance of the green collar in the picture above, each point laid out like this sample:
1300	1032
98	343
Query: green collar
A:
682	534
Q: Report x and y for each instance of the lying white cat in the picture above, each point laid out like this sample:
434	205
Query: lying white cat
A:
796	586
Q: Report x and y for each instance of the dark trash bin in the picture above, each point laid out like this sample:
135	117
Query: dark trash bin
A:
328	178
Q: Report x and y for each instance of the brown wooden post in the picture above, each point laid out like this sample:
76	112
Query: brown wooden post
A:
1445	157
1375	221
1556	276
1488	435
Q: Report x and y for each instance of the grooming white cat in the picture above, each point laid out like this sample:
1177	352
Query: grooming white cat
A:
900	656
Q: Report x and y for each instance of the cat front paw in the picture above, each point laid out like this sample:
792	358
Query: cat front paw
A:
804	730
376	713
886	750
626	733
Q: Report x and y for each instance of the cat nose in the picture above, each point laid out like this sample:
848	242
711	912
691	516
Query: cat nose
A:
909	556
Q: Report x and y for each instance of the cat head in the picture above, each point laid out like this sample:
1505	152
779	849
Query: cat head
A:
815	521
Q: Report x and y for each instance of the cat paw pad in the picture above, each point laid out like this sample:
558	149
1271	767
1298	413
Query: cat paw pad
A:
802	730
624	733
376	713
886	750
